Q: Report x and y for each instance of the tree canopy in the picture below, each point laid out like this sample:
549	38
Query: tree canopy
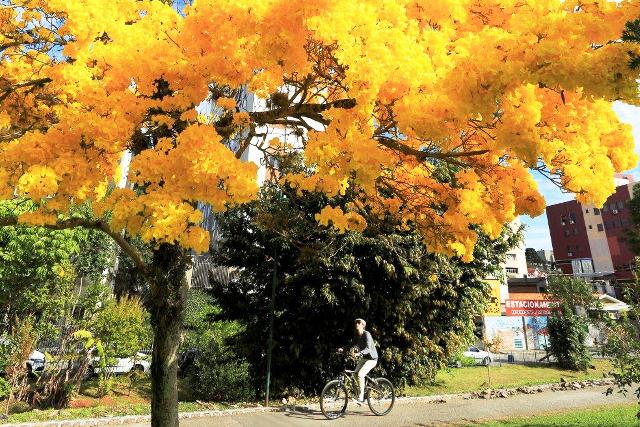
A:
38	268
377	94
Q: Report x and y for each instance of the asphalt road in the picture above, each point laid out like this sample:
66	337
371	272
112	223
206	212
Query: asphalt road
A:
417	413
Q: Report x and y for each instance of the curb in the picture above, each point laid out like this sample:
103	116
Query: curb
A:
138	419
435	399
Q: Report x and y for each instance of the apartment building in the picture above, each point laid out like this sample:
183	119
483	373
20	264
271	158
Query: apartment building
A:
590	241
515	263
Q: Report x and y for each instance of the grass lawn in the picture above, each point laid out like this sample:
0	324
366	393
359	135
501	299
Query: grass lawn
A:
458	380
618	416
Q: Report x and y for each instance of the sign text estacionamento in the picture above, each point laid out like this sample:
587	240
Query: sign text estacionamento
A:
530	308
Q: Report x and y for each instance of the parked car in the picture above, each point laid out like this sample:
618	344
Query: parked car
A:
36	362
480	356
122	365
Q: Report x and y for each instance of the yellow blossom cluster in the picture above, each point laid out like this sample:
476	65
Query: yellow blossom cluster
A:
340	220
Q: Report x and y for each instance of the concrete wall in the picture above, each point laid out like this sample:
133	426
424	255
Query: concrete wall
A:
600	253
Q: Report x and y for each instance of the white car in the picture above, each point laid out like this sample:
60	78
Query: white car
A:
480	356
121	365
36	362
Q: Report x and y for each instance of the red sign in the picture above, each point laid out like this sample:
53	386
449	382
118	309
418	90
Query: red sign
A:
527	307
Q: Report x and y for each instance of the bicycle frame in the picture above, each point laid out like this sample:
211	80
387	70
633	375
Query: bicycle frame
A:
350	380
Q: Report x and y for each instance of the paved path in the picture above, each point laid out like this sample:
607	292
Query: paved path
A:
417	413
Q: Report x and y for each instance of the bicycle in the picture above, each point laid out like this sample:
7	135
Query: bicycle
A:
379	393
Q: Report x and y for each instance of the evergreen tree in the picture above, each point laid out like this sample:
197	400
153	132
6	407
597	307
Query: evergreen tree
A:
418	306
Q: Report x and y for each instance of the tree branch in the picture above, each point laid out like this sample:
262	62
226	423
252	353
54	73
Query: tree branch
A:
266	117
423	155
12	88
101	225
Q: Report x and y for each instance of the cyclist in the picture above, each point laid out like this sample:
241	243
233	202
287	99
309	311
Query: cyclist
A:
366	352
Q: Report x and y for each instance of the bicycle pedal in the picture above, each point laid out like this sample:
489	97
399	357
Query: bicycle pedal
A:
358	402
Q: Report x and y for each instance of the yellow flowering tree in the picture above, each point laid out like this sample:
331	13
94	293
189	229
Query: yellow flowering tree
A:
382	96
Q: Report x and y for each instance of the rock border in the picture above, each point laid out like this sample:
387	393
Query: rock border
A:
500	393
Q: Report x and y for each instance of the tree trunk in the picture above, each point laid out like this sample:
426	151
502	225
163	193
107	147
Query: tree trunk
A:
168	295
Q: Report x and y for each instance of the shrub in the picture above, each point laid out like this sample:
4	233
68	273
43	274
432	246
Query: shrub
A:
120	329
220	375
567	336
463	360
219	371
623	339
5	388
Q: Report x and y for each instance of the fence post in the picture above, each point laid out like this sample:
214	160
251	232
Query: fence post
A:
270	345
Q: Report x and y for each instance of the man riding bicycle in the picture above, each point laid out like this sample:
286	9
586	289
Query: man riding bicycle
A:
368	355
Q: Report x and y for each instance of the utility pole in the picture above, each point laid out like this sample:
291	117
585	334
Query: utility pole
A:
271	318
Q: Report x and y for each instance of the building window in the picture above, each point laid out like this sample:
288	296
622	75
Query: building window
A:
575	231
620	205
624	222
566	233
572	218
587	265
615	223
586	211
600	227
563	219
607	225
512	270
596	211
511	257
590	227
605	208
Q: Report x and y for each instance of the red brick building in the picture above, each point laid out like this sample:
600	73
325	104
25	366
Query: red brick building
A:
589	240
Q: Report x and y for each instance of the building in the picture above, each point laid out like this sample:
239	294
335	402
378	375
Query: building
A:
525	315
204	268
591	241
519	285
515	264
546	256
542	260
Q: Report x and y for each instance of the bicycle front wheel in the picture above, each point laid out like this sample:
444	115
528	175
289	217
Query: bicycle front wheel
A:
333	400
381	396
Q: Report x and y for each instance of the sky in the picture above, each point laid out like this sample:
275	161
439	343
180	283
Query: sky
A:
536	229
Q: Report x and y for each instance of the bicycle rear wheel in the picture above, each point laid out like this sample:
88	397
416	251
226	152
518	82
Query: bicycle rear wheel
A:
333	400
381	396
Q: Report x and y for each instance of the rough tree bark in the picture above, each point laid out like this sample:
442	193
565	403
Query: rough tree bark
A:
168	296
